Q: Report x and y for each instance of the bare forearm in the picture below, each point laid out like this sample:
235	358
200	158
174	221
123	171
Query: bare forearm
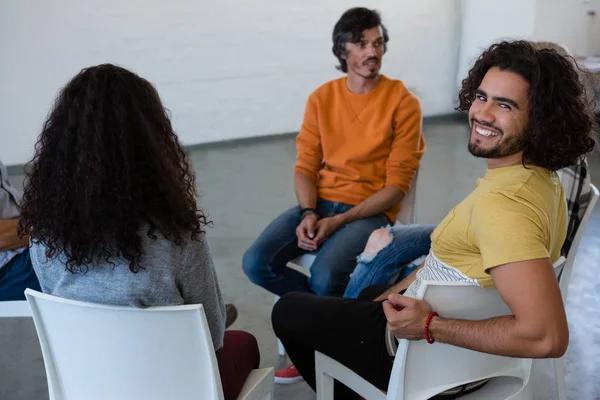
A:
9	240
306	191
499	335
377	203
400	286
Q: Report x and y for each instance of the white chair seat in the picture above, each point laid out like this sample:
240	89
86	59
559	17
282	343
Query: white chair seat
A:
305	260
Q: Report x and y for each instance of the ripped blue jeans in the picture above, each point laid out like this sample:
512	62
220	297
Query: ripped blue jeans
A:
409	243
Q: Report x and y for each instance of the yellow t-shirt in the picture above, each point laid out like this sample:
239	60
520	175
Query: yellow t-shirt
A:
514	214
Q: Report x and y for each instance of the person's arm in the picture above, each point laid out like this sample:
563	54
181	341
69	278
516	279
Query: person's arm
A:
537	329
9	239
198	284
377	203
306	191
519	264
309	156
308	164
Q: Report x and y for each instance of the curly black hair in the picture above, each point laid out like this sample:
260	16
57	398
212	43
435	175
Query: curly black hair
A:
107	165
561	121
350	27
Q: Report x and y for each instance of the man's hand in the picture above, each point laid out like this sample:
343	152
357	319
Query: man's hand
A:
327	227
306	233
406	316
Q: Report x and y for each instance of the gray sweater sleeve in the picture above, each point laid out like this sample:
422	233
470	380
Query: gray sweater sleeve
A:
198	284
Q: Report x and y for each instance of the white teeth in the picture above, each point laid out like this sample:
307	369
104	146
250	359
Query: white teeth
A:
485	132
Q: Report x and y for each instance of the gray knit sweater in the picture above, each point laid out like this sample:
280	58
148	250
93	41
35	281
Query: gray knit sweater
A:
172	275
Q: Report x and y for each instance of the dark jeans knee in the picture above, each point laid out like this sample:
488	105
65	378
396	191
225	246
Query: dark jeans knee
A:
16	276
327	284
251	265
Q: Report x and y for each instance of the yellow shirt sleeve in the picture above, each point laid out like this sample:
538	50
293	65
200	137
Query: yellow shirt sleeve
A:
507	229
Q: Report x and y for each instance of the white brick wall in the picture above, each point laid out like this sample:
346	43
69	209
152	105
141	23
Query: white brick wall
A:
226	69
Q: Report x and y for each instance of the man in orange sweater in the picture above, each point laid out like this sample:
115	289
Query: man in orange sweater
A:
358	149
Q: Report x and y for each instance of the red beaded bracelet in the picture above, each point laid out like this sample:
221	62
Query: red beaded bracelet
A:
431	315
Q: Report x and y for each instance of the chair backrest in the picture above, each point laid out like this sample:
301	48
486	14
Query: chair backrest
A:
16	308
422	370
102	352
408	207
565	274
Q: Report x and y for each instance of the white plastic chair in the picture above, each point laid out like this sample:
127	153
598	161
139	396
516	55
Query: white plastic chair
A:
446	366
407	215
422	370
16	308
98	352
564	277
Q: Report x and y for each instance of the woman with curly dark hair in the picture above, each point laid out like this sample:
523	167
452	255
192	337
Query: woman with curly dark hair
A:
528	117
110	206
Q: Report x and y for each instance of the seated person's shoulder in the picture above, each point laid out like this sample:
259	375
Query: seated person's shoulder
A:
511	201
532	184
507	228
498	200
327	89
399	88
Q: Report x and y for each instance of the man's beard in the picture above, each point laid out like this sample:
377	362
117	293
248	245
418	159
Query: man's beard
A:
504	148
373	73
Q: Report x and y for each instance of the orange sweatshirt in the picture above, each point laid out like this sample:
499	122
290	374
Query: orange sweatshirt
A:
353	145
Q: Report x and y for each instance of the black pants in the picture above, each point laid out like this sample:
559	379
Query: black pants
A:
351	331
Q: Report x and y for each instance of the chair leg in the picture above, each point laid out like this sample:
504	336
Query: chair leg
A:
324	386
559	370
279	344
281	348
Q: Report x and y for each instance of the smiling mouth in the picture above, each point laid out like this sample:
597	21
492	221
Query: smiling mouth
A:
486	132
371	63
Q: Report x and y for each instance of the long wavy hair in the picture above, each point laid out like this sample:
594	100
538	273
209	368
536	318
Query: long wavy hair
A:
561	121
108	168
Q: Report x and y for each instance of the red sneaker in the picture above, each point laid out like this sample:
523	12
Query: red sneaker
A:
288	375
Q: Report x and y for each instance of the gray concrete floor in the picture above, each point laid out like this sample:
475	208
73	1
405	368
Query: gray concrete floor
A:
244	185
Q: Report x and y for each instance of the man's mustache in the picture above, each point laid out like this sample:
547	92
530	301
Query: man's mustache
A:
371	59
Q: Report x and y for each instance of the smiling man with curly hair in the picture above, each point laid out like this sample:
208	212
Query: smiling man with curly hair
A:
528	118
